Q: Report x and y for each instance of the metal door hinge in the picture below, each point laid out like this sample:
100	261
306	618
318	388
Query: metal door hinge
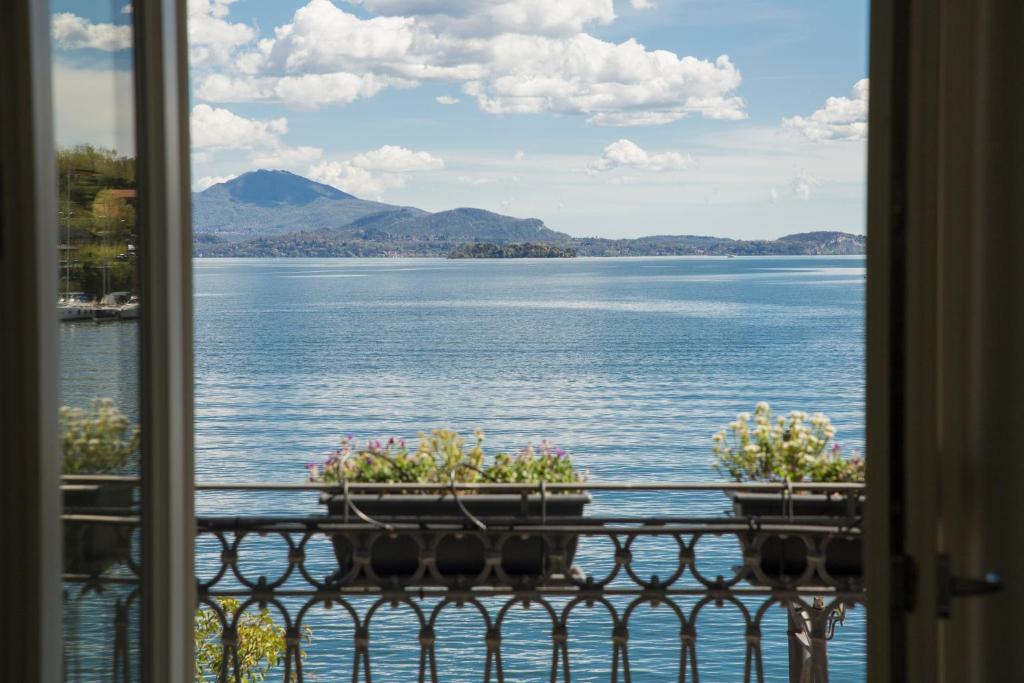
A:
950	586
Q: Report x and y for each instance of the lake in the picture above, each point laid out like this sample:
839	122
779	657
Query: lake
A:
630	364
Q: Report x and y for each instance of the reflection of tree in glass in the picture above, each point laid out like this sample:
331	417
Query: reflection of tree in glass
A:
100	439
97	219
261	643
115	217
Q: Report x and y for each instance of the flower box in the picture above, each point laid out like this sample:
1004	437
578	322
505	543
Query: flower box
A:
784	557
459	555
92	547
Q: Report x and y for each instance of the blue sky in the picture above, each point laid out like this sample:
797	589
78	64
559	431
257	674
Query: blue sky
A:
618	118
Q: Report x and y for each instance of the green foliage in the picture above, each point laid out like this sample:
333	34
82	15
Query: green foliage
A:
114	217
763	448
261	643
95	220
97	440
515	250
439	457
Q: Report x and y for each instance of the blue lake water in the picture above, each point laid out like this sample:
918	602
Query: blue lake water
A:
631	364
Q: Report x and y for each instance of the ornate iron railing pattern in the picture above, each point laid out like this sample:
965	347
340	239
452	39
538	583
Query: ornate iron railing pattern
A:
286	583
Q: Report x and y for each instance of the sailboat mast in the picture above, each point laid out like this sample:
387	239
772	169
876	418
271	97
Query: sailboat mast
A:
67	233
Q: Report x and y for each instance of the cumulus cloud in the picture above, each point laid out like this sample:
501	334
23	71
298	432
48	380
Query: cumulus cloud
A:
217	128
395	159
372	173
611	84
72	32
308	91
474	18
511	56
447	99
212	38
209	181
475	180
642	4
802	184
519	155
627	154
283	156
842	118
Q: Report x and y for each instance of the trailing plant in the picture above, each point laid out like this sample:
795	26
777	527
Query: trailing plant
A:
441	457
261	643
798	447
100	439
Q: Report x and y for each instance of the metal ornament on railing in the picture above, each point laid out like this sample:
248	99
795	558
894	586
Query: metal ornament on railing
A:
782	564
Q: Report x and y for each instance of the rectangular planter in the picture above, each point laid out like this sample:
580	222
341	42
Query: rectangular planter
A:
456	555
92	547
786	556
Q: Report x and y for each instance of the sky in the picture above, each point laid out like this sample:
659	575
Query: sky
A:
612	118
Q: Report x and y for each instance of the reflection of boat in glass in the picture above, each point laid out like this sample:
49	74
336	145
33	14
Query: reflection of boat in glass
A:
75	306
112	305
130	310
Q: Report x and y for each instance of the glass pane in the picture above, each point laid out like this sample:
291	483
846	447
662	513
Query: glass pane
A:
99	314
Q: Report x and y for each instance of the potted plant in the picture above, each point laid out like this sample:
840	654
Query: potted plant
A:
444	457
98	440
796	448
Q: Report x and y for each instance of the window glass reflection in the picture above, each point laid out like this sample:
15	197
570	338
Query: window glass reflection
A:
99	309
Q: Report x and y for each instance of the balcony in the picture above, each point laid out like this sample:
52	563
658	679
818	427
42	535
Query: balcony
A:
771	588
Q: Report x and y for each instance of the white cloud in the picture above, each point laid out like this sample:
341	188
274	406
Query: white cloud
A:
802	184
209	181
642	4
611	84
283	156
773	196
627	154
623	180
307	90
127	8
395	159
475	18
217	128
842	118
512	56
72	32
372	173
519	155
447	99
212	39
475	180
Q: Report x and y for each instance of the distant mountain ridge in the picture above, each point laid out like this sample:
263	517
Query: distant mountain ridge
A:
263	203
277	213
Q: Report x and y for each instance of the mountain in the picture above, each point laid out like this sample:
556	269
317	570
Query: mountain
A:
462	225
276	213
263	203
799	244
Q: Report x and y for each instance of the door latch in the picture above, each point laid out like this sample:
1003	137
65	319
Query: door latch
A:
950	586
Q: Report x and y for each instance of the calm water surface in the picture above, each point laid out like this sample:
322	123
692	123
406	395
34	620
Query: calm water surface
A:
631	364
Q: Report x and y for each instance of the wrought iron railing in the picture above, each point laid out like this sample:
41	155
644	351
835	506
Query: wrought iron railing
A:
802	566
